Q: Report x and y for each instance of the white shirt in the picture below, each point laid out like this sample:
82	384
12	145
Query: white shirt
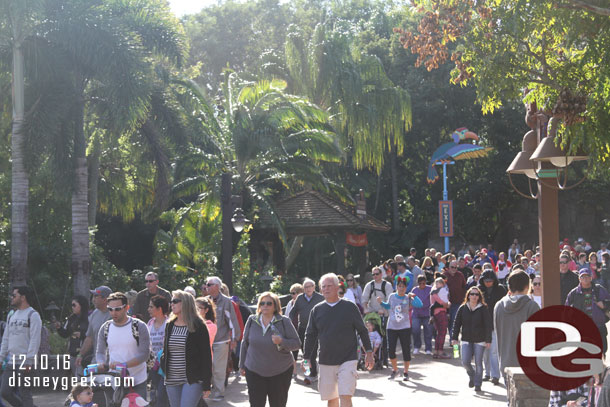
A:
123	347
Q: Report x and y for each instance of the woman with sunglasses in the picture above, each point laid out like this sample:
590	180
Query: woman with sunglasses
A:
75	328
354	288
536	290
399	325
266	353
187	355
473	320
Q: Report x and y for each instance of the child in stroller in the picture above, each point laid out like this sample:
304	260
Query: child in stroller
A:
374	327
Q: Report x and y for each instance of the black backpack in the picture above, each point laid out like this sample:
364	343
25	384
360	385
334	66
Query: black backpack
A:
373	289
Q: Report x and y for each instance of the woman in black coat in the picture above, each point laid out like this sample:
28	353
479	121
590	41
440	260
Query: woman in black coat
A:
187	354
473	320
75	328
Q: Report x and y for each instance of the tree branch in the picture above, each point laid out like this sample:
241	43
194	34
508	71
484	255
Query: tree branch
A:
583	5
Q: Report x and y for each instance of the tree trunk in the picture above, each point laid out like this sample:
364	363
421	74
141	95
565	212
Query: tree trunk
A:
394	174
81	259
377	193
20	182
94	176
295	249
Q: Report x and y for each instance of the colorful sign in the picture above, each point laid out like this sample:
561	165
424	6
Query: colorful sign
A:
356	240
445	216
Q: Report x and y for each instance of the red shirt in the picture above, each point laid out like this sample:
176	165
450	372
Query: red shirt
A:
457	287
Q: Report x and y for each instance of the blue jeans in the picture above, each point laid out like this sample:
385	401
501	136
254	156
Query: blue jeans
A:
15	396
417	323
491	361
453	309
186	395
468	351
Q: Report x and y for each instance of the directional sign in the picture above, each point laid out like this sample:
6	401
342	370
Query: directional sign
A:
445	216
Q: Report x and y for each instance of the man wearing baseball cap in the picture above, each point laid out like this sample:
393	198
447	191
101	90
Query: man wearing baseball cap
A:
96	320
589	298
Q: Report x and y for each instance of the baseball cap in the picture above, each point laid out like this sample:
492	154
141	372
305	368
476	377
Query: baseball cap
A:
583	271
102	290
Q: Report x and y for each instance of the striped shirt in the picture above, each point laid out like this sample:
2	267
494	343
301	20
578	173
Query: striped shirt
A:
176	374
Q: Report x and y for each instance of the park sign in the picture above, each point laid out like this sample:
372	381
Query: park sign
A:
445	214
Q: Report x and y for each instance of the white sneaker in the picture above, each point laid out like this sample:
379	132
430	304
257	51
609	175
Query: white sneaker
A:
416	351
428	352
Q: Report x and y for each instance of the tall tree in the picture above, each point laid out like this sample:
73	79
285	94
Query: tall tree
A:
109	47
18	16
559	52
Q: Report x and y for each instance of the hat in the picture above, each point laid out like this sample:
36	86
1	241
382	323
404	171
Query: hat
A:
102	291
566	240
401	263
583	271
483	250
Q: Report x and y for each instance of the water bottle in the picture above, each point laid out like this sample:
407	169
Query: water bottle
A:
274	331
307	368
121	368
456	351
91	369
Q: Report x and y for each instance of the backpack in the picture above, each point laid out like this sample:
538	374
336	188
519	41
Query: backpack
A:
373	289
134	331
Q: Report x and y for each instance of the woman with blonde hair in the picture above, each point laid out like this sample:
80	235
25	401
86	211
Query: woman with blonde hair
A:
266	353
187	355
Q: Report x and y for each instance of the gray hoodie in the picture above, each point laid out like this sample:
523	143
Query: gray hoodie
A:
510	312
21	337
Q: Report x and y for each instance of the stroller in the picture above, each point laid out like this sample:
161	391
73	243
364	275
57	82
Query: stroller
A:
374	319
112	383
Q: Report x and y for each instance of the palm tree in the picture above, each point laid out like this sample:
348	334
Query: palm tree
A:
107	49
268	140
17	17
371	112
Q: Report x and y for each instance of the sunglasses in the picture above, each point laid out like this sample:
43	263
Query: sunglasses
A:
376	274
563	262
150	281
474	294
210	284
536	284
293	293
116	309
74	304
350	279
452	267
176	301
267	303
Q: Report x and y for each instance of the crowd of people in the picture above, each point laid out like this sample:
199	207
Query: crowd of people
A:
180	348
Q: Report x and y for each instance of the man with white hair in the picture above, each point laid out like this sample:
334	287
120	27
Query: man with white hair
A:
140	307
227	334
300	314
334	324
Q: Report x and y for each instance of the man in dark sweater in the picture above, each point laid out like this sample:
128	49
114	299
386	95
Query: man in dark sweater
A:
300	314
457	290
334	324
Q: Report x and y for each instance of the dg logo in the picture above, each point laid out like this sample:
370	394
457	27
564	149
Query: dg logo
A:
560	348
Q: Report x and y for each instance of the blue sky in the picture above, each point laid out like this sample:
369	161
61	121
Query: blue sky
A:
182	7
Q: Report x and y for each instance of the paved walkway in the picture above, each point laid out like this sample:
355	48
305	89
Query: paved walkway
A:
432	382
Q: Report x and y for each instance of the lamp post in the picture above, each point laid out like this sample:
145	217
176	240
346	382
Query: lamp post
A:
541	160
232	219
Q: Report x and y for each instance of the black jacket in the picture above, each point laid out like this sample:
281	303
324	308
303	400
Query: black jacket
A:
74	324
568	281
301	310
475	325
493	294
198	354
